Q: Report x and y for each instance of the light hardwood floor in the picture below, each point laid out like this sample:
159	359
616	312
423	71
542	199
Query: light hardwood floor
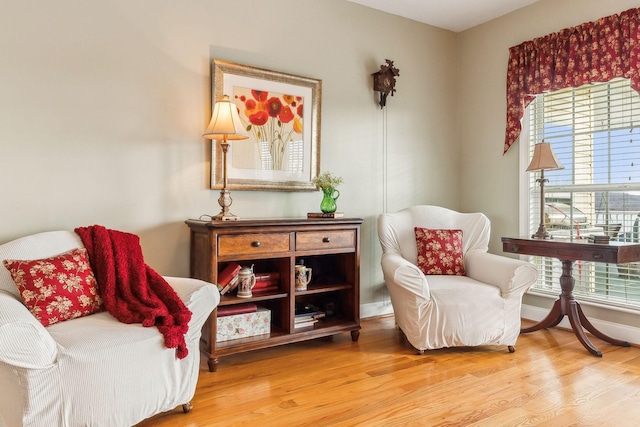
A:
551	380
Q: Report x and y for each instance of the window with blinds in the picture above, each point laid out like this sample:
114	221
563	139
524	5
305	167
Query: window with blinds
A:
594	131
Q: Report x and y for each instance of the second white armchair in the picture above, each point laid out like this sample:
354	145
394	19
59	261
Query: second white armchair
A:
435	311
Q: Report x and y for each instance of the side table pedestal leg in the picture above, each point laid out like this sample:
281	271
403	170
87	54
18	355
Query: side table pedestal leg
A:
589	327
574	319
552	319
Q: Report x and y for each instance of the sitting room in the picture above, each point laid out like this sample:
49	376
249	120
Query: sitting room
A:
273	263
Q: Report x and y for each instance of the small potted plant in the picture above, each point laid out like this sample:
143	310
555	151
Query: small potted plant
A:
328	182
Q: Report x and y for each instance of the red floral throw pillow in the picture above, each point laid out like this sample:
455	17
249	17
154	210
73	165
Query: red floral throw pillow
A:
58	288
440	251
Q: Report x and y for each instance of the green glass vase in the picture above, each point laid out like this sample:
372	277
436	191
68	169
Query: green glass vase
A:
328	204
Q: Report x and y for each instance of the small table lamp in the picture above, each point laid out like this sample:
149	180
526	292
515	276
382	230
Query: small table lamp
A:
543	159
225	125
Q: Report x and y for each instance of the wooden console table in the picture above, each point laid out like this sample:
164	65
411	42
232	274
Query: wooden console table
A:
568	252
330	246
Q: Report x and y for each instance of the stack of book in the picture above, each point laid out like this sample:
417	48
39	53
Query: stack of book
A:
325	214
266	282
304	320
228	278
598	239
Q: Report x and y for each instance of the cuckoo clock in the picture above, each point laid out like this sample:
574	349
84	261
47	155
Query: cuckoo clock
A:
384	81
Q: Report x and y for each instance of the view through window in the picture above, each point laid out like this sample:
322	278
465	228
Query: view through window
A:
595	132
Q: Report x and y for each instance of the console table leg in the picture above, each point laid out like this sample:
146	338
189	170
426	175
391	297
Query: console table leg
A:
213	364
589	327
552	319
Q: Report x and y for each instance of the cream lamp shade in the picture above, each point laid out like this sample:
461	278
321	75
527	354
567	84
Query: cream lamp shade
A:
225	122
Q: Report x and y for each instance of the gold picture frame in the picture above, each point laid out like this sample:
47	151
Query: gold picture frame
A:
281	115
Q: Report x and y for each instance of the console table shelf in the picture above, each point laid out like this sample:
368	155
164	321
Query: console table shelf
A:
232	300
331	247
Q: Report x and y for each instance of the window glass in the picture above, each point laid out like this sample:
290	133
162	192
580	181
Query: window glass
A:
594	131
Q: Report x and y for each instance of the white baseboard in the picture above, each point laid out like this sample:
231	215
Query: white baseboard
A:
375	309
622	332
615	330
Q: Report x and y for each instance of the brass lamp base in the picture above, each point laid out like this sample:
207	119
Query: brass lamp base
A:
225	217
542	233
225	201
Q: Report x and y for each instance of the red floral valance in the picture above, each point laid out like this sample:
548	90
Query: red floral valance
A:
592	52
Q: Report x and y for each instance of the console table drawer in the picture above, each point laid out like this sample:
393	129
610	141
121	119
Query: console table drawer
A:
243	244
318	240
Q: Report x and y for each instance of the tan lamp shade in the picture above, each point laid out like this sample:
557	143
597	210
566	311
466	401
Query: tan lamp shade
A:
225	122
544	158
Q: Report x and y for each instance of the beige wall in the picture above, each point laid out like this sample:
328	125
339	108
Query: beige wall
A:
103	105
489	180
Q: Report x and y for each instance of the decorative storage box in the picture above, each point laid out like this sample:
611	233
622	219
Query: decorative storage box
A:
244	325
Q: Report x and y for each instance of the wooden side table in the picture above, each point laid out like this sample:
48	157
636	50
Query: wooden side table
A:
568	252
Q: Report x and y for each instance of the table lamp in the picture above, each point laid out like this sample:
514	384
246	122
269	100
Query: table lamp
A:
225	125
543	159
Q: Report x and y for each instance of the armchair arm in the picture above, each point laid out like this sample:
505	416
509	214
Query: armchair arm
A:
25	342
186	288
199	296
403	274
512	276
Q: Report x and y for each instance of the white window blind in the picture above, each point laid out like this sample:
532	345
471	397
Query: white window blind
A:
595	132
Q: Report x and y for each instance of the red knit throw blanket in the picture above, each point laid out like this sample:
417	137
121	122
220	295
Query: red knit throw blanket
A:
131	291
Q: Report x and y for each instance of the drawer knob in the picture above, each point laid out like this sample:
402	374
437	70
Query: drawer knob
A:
515	248
255	244
326	240
598	256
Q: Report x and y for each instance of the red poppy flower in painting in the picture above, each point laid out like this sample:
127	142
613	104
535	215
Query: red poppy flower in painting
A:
273	118
286	115
255	112
249	104
260	95
274	105
259	118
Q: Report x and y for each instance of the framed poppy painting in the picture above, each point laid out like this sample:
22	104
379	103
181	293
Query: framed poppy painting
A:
280	113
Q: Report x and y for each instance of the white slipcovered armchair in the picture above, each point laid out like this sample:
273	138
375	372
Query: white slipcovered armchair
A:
93	370
438	311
